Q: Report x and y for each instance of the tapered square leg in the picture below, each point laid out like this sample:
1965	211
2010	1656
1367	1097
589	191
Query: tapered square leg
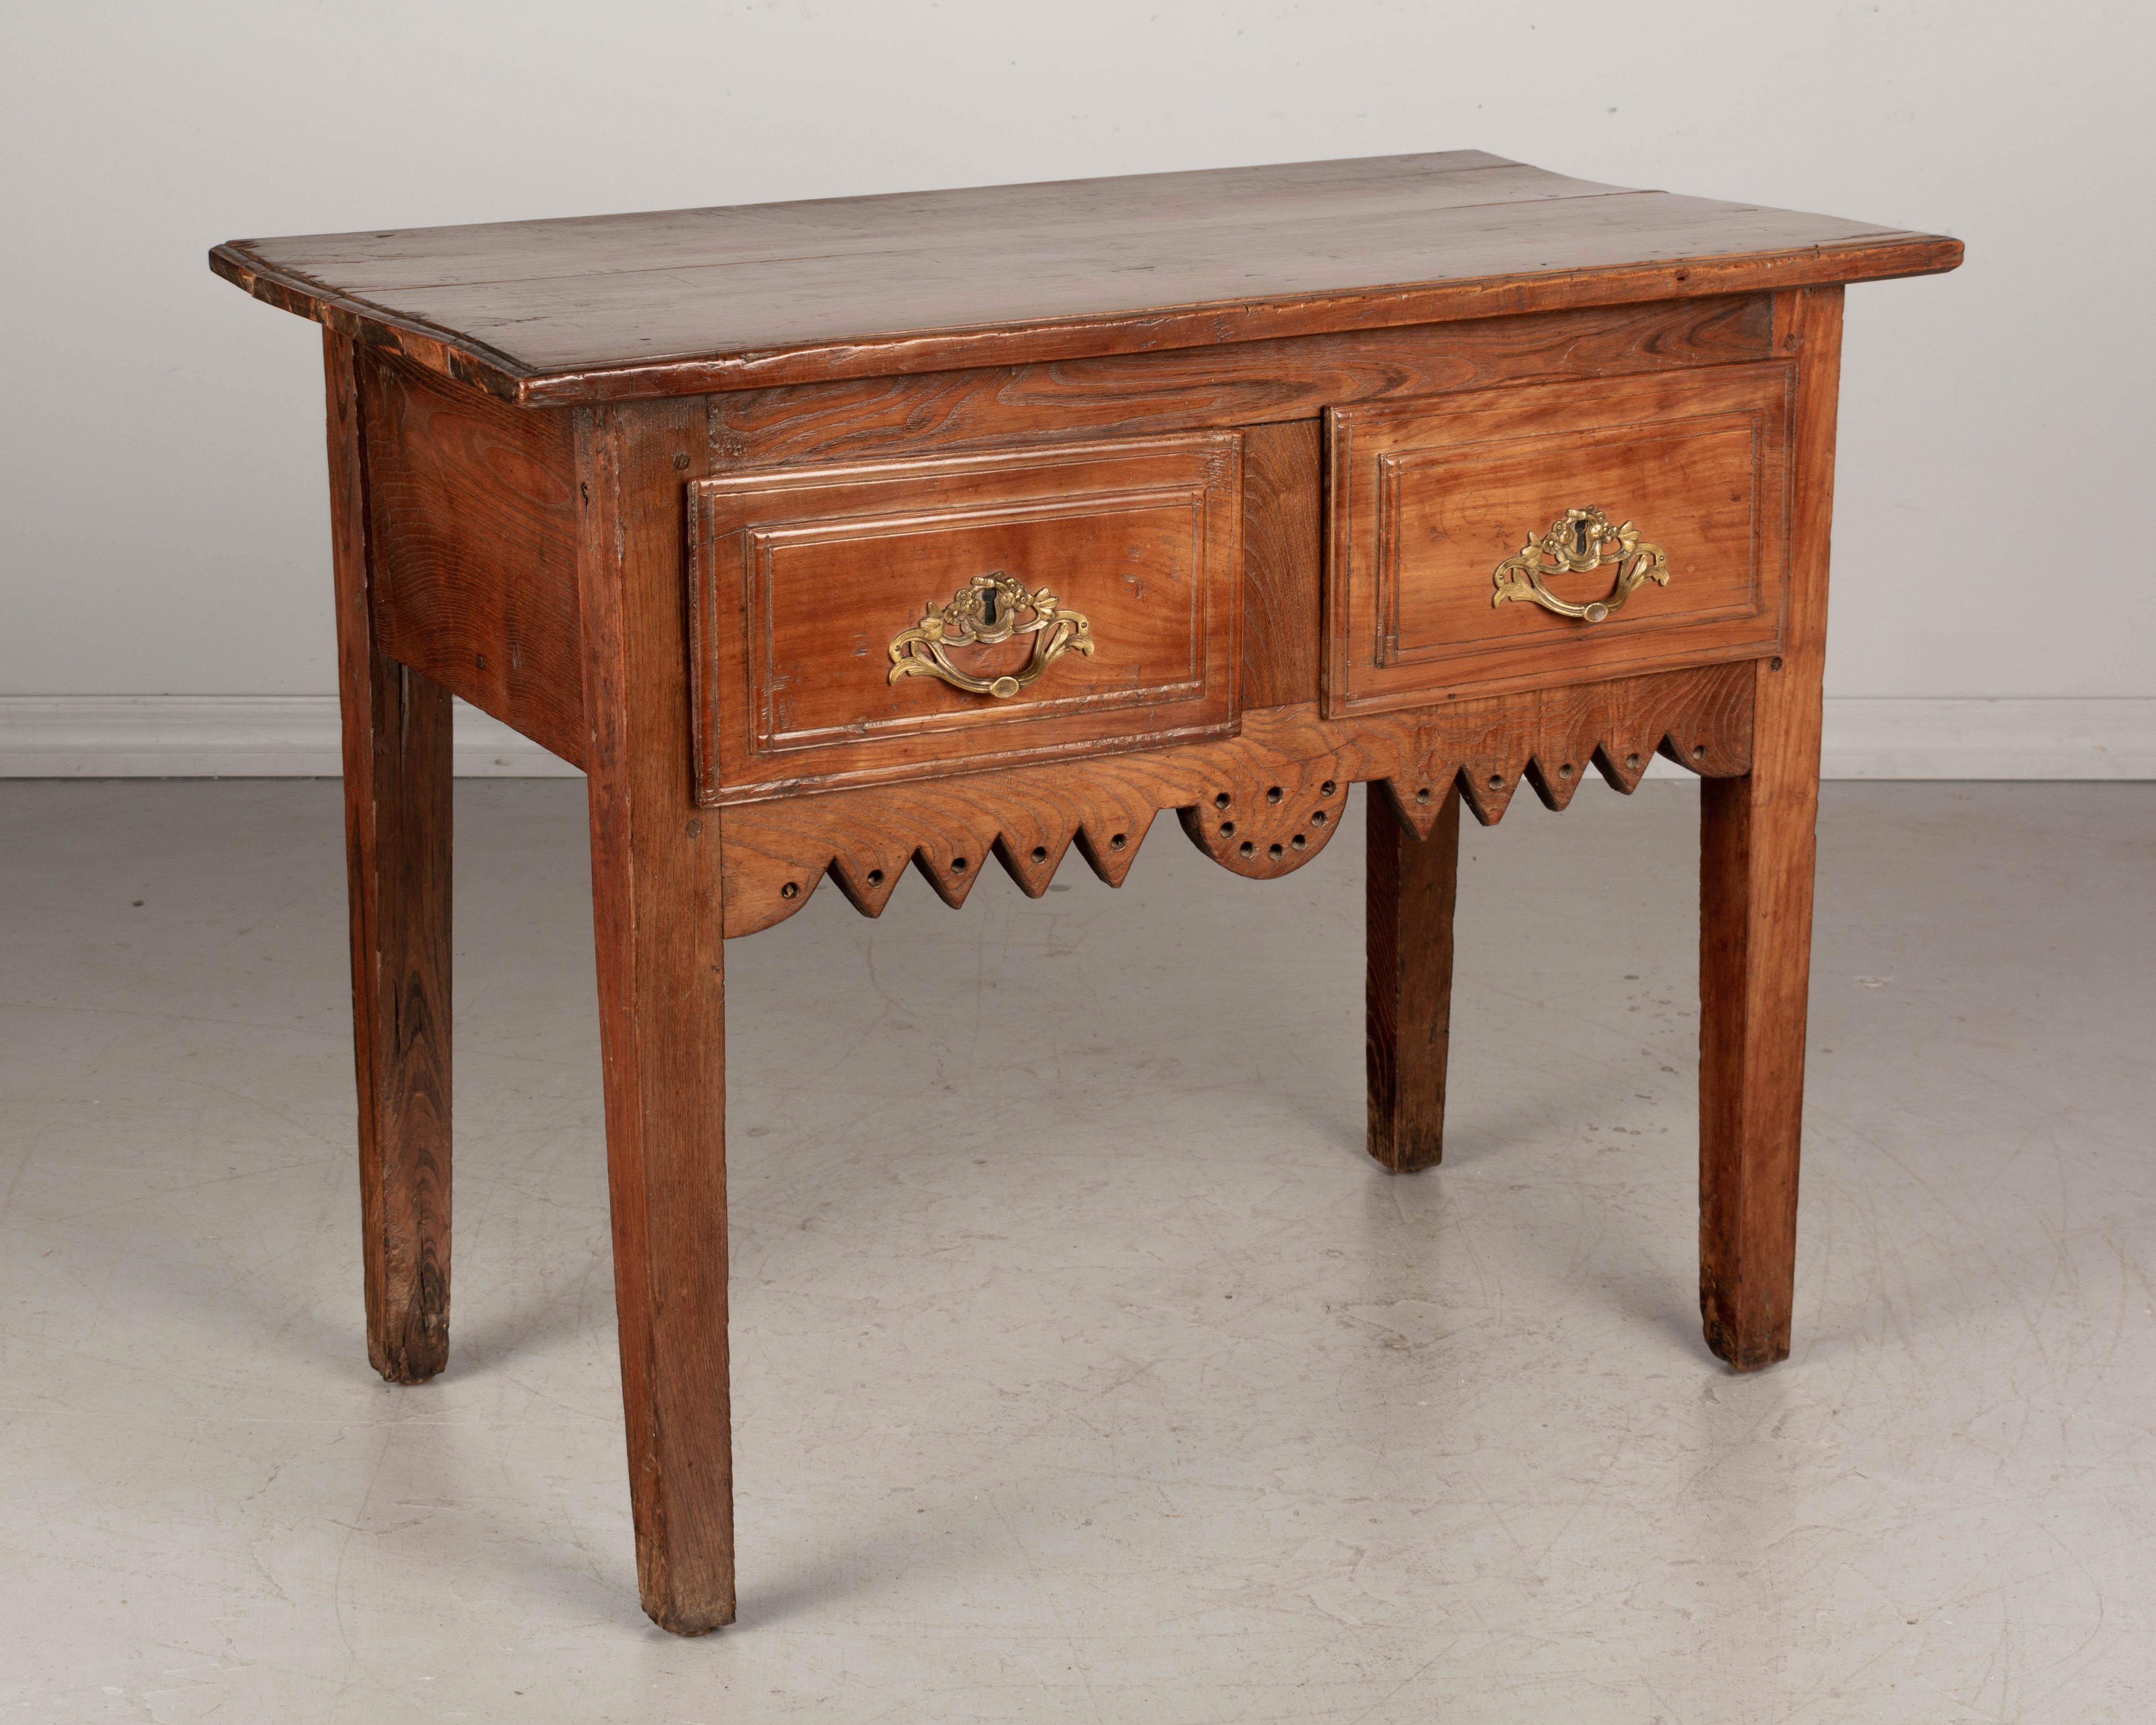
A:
656	912
1755	963
1757	847
1409	886
398	785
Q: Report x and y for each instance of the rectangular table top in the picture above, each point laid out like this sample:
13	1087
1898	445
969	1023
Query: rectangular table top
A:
601	308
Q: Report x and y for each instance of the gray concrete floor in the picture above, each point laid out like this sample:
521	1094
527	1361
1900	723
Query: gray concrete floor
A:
1083	1367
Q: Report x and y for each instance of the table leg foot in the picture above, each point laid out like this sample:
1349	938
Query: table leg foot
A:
1409	888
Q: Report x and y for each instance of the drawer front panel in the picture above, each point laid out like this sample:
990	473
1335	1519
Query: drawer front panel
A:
1655	505
863	623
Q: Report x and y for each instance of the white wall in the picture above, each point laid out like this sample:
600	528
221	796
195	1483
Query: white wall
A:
161	513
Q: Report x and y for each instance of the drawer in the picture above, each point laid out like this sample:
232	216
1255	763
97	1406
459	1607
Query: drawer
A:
892	620
1511	538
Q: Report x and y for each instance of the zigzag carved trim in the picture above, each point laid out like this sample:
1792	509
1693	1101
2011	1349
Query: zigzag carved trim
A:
1261	803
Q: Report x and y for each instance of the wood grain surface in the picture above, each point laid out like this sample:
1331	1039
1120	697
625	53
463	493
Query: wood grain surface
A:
473	510
1409	886
662	1011
687	301
1238	384
1283	562
1757	846
1246	800
397	807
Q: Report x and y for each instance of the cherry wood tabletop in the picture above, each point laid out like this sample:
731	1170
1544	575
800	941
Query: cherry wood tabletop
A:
674	302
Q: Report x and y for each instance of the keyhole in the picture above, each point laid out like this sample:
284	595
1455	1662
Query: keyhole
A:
1579	539
989	605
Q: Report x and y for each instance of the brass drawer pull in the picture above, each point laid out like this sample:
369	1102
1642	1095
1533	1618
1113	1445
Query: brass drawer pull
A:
1579	540
986	610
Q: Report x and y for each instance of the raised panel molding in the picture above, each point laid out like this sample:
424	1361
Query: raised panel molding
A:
803	577
1427	497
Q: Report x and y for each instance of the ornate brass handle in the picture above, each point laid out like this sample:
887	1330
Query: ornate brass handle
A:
1579	540
989	609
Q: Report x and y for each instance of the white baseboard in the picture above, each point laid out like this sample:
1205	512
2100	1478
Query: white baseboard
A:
223	736
296	737
2111	738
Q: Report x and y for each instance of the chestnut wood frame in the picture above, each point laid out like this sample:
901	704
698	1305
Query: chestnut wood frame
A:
563	611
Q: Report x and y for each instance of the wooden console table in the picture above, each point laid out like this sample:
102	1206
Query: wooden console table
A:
827	538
